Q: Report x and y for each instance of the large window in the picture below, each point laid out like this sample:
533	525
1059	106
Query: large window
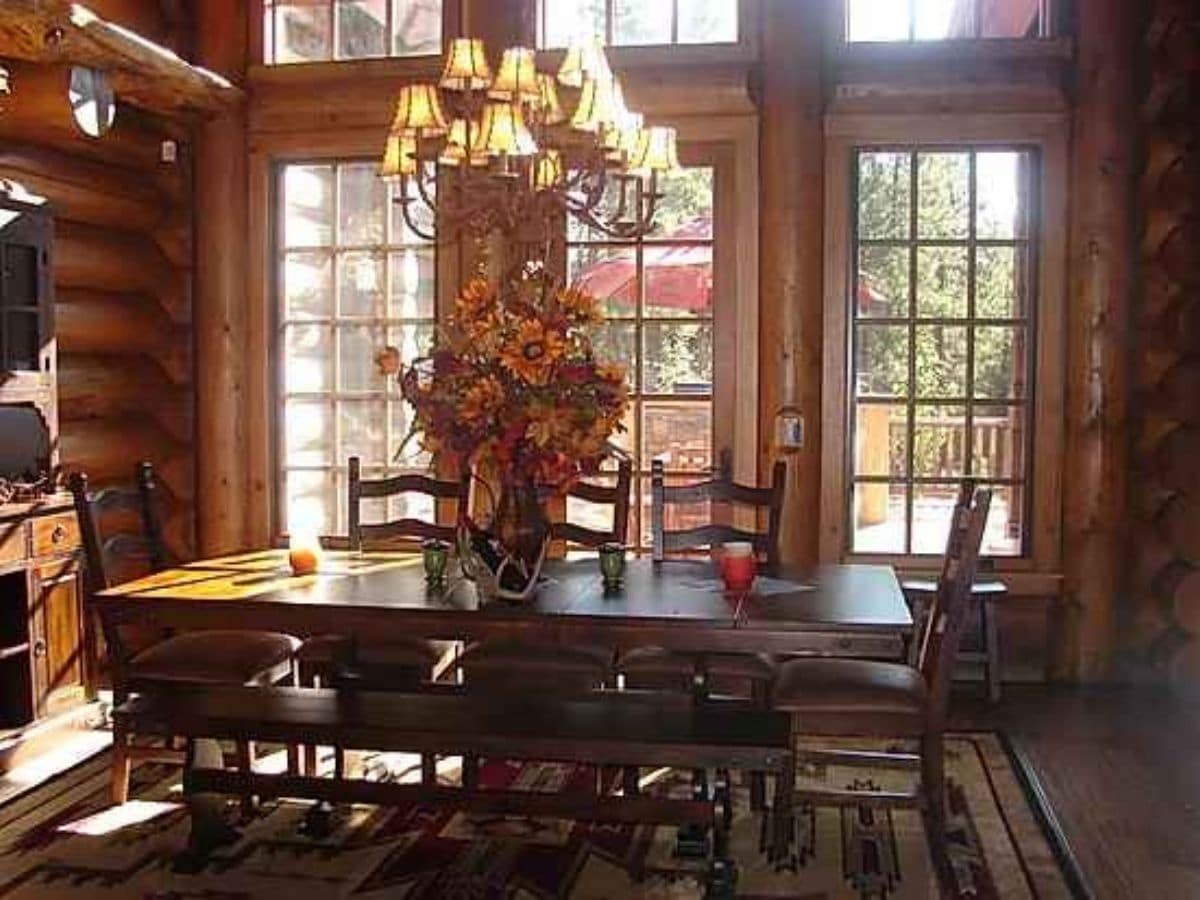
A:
658	296
941	343
940	20
623	23
297	31
352	279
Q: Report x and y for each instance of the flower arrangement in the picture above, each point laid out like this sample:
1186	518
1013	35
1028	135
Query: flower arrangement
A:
513	383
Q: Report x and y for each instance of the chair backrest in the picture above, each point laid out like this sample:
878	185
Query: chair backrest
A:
616	496
947	614
107	555
721	489
371	535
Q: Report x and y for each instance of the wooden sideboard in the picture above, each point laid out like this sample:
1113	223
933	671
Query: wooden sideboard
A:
43	627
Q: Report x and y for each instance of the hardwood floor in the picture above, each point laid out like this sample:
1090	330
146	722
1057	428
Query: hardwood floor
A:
1119	767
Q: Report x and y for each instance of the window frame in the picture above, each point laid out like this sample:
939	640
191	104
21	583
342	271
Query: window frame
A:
539	28
1047	135
1050	26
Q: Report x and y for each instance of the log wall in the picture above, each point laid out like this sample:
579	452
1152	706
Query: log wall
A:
123	274
1165	578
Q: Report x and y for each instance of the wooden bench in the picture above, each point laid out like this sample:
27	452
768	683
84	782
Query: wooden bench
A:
611	729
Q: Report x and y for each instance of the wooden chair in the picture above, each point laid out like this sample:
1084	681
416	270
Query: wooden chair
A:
654	667
580	668
394	664
985	597
862	698
224	657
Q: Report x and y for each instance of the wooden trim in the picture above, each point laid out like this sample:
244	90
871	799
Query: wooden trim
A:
1046	132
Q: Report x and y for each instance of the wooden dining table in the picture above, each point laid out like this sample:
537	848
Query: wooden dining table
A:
838	610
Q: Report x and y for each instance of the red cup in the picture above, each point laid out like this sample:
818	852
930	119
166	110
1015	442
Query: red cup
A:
738	572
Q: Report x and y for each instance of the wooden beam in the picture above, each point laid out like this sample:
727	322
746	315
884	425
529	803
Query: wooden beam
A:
220	314
791	249
142	72
1101	279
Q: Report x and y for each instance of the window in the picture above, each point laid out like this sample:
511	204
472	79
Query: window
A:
296	31
624	23
940	20
657	294
352	279
941	334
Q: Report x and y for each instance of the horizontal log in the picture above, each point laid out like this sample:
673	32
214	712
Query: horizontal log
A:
1152	363
1177	462
100	322
1158	293
176	521
1177	395
1183	665
108	387
142	72
1179	524
1179	584
1151	557
1171	183
107	449
1172	41
1169	239
38	112
1170	108
120	262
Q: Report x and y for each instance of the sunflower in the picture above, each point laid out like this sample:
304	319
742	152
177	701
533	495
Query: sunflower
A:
531	353
475	304
581	306
547	423
482	398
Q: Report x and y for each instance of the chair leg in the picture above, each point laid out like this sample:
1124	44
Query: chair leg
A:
991	639
120	764
933	786
470	772
428	770
245	763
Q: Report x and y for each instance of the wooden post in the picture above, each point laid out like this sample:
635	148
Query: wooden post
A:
220	316
1102	242
791	198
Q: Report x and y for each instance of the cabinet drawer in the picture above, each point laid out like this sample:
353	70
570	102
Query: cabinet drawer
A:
53	535
12	542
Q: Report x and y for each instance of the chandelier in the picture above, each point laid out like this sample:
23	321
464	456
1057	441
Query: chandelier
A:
519	150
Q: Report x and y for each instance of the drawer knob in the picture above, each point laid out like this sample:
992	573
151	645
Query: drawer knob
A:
59	534
39	648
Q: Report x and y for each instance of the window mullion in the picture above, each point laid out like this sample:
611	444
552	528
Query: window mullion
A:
972	258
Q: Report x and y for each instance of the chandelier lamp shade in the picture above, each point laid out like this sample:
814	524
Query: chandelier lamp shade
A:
514	149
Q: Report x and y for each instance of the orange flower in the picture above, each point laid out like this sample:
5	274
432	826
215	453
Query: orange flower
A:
547	423
611	372
531	353
482	399
387	361
580	305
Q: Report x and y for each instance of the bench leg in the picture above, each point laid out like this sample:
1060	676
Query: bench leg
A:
991	639
208	829
629	781
120	764
428	770
245	763
470	772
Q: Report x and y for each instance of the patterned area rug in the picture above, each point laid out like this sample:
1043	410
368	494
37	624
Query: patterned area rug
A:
64	840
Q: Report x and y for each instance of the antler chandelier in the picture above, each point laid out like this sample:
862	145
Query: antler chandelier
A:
517	151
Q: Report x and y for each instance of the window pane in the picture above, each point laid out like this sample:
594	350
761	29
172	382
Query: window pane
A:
617	343
308	206
678	359
608	273
1001	201
1005	525
878	518
676	516
998	442
411	339
638	22
1000	355
679	281
302	31
933	508
411	456
363	425
884	189
685	211
883	282
942	19
881	361
943	193
412	506
357	345
940	442
362	28
878	20
419	211
565	22
941	361
307	358
579	230
307	433
360	284
311	502
708	21
308	285
418	27
881	439
361	197
597	516
679	434
413	274
1000	274
942	282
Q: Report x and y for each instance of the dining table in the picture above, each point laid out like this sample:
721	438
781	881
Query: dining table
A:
847	610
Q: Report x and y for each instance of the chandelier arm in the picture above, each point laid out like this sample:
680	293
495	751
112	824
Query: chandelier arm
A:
406	203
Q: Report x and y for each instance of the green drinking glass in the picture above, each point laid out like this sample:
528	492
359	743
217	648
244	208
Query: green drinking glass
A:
612	565
436	557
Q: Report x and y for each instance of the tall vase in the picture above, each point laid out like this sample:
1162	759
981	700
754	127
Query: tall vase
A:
506	561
